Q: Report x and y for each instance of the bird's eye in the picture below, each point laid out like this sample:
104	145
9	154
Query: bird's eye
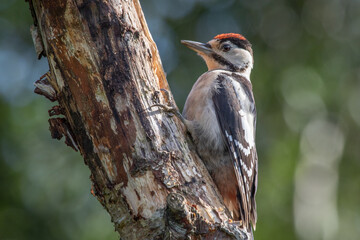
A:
226	47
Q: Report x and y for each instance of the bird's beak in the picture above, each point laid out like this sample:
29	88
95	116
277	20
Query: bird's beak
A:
198	47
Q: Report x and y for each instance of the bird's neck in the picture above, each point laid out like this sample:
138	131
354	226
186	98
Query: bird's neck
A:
217	62
245	71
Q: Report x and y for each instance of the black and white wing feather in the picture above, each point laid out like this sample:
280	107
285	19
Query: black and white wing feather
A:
235	109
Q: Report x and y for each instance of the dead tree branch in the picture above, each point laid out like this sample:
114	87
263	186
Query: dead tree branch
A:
105	73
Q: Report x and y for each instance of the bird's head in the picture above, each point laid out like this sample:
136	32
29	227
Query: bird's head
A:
228	51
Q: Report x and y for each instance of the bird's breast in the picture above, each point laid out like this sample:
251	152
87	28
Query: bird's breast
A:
199	109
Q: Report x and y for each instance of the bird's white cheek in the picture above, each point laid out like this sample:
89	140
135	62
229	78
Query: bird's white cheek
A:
242	58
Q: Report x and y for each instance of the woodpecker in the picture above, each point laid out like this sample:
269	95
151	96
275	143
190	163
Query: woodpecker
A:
220	115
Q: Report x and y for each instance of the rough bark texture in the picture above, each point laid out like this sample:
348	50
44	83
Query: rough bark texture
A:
105	72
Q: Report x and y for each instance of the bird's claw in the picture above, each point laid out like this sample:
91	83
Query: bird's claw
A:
171	110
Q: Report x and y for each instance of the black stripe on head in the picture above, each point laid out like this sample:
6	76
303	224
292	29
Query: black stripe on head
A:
225	62
241	43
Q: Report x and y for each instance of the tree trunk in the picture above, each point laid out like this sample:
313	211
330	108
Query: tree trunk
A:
105	73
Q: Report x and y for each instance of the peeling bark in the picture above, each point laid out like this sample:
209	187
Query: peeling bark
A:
39	48
105	73
43	87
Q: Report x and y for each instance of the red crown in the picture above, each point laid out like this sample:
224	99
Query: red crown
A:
230	35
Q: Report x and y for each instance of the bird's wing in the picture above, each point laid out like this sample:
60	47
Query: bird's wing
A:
235	109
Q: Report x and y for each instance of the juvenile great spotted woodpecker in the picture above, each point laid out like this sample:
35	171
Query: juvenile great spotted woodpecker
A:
220	114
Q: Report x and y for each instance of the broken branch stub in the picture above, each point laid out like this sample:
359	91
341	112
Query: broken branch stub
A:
43	87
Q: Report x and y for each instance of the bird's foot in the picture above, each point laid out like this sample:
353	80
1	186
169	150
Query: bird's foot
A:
170	109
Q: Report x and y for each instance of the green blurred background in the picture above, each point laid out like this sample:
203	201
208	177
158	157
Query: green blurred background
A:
307	89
